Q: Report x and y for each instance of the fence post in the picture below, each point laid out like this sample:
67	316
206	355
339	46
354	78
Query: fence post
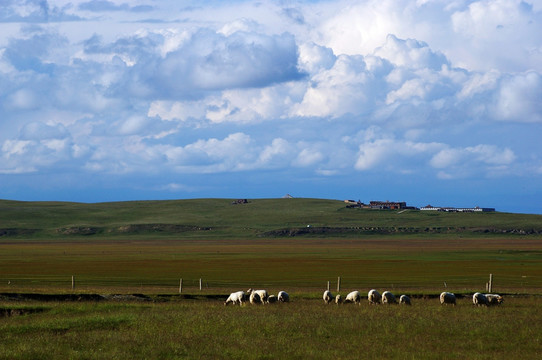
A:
181	286
328	286
73	282
490	285
339	284
199	284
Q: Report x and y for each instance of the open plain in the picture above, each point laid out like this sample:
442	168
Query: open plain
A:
115	250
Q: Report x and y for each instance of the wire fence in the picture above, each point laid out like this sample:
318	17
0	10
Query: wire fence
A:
501	282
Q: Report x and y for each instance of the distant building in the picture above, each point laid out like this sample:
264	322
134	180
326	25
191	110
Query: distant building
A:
452	209
380	205
387	205
431	208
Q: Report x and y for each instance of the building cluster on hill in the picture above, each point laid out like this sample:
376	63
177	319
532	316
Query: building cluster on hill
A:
453	209
401	205
380	205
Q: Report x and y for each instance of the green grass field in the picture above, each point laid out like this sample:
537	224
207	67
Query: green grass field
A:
305	264
299	329
147	247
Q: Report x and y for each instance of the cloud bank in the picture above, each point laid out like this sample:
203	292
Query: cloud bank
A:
309	92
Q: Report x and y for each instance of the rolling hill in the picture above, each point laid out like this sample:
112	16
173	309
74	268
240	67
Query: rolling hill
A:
257	218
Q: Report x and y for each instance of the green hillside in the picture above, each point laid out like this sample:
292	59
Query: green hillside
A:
257	218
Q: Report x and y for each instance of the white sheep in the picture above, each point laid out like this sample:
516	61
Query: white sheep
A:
388	298
479	299
255	298
404	300
447	298
354	297
338	299
262	294
271	299
374	297
236	298
328	296
494	299
283	296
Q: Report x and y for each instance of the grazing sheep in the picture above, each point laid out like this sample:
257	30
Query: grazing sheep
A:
283	296
328	296
338	299
235	298
261	293
494	299
271	299
404	300
374	297
447	298
388	298
354	297
255	298
479	299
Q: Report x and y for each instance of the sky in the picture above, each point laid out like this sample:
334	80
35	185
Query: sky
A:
425	101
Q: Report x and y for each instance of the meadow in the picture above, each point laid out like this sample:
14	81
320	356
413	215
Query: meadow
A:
148	246
296	245
301	329
156	266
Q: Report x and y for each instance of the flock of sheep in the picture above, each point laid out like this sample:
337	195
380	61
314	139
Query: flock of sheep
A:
256	297
374	297
478	299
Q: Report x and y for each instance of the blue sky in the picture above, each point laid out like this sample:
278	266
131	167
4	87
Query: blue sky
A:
428	101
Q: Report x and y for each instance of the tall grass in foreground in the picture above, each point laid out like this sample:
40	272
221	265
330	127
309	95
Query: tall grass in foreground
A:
300	329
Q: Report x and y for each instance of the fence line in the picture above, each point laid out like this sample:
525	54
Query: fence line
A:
8	282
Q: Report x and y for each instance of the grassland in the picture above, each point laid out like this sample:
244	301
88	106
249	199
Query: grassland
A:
147	247
298	330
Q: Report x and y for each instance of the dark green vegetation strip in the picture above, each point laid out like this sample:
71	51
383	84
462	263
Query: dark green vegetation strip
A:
18	310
